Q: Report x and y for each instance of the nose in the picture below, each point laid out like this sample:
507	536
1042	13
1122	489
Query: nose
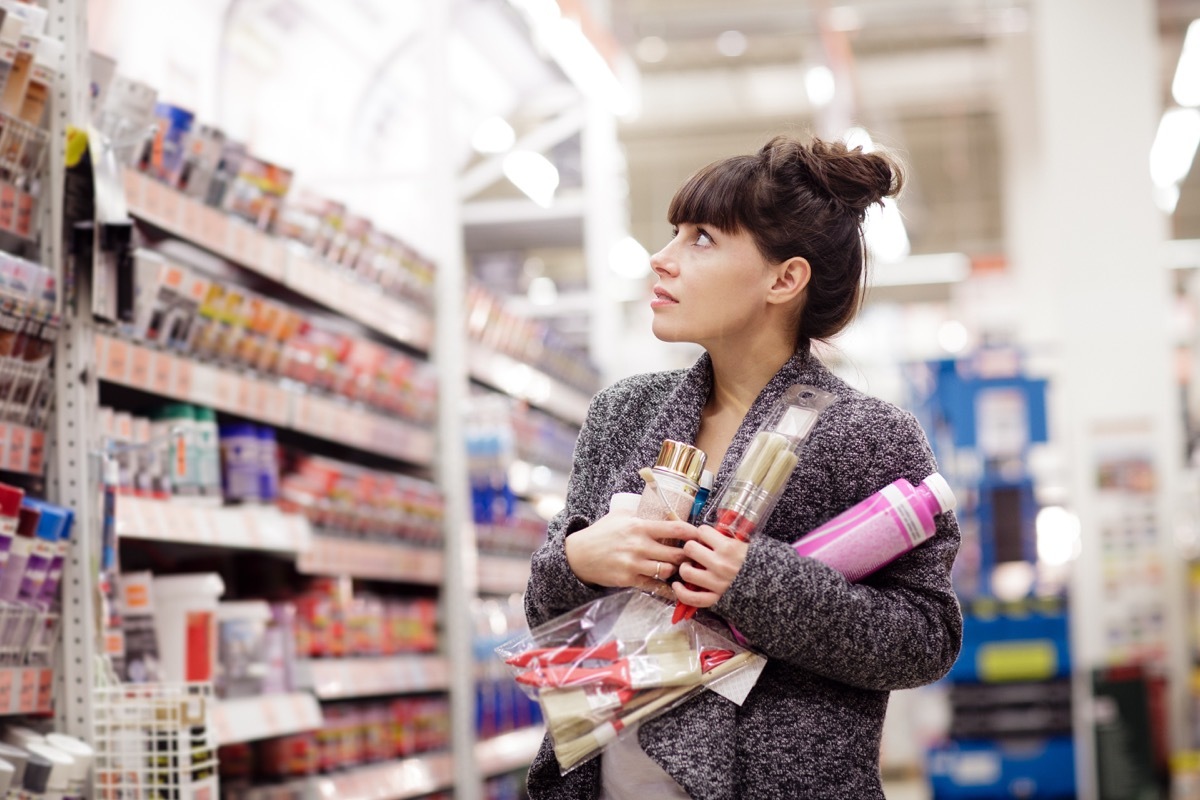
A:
662	263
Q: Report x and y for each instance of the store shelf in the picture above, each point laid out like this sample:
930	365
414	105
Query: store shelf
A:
392	780
330	555
341	678
22	449
251	718
168	375
282	261
524	382
503	574
26	690
508	751
246	527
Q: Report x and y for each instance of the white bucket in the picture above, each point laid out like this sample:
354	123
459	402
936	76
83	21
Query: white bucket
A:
185	621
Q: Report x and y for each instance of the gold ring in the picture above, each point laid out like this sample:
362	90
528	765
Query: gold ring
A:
657	567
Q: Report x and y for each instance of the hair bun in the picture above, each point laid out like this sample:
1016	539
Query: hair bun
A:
851	178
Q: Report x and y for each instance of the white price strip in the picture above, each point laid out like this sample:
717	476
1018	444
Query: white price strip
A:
335	679
251	718
328	555
247	527
509	751
499	575
392	780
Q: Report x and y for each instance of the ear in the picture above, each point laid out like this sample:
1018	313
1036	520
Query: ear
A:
791	278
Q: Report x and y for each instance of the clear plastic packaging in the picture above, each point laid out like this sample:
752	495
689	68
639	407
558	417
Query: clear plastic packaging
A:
600	670
757	483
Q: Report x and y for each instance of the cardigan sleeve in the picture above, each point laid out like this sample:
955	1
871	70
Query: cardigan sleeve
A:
553	588
899	628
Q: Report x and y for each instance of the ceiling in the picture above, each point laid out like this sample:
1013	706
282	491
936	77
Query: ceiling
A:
924	74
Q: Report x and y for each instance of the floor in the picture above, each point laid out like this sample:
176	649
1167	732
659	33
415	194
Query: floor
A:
906	790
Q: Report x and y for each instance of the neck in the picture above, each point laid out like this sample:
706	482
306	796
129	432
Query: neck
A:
738	380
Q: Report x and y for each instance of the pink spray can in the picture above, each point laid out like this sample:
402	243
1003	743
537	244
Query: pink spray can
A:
881	528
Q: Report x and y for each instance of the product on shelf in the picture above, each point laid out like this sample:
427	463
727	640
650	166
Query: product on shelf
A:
331	622
242	664
185	623
34	537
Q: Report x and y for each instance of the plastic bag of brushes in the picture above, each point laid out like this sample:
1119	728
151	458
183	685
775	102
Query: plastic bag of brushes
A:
750	496
603	668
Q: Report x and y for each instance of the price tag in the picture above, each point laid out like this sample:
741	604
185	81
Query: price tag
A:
214	229
169	207
153	194
270	715
45	697
246	393
226	391
222	725
16	457
161	374
27	701
203	379
272	258
37	451
133	190
183	380
140	371
7	695
116	363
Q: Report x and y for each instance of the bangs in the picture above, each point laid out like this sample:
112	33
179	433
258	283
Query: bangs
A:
717	195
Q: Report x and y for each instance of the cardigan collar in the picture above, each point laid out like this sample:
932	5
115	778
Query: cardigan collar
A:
679	417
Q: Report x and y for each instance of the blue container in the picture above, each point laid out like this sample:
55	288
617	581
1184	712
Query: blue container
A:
1032	769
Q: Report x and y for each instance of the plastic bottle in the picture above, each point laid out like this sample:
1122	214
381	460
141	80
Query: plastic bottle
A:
10	509
36	777
17	759
240	462
881	528
18	557
676	474
179	420
208	453
268	465
83	755
706	484
51	521
62	766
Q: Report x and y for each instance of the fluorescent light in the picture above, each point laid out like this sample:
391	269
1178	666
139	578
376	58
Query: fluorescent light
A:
953	336
1166	198
731	43
1058	536
819	85
1185	88
564	40
858	137
885	234
629	259
1174	146
493	135
652	49
533	174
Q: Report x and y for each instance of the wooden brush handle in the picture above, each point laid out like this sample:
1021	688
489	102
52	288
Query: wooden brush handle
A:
671	695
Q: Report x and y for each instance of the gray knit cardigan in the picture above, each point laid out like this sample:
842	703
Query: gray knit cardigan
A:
811	726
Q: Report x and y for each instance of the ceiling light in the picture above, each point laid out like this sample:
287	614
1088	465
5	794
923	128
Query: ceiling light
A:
493	135
1185	88
1174	146
843	19
731	43
652	49
885	234
629	259
1058	536
533	174
543	291
953	336
819	84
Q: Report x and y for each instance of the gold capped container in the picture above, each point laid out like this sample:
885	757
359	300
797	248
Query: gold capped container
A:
682	459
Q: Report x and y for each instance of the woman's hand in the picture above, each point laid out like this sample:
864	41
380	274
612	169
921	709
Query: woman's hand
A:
621	550
714	560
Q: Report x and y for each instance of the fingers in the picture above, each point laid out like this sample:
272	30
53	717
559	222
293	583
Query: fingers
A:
697	597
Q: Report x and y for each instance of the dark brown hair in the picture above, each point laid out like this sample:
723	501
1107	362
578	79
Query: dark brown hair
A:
796	198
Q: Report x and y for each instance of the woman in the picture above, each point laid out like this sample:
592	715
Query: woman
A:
767	257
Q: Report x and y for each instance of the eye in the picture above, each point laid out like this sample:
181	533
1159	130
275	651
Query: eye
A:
702	238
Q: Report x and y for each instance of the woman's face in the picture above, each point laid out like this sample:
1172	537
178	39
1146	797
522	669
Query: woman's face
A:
712	286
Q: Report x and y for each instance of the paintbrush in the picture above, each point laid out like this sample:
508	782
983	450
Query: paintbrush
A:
574	751
607	651
677	668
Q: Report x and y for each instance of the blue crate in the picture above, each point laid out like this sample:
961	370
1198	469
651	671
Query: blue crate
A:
1013	643
1032	769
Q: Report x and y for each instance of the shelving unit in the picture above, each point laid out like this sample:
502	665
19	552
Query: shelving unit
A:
245	527
392	780
328	555
251	718
343	678
509	751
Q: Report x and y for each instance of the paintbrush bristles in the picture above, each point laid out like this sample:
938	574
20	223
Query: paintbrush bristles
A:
746	466
782	467
760	456
574	751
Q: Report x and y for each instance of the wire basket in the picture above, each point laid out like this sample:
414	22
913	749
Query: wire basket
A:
155	741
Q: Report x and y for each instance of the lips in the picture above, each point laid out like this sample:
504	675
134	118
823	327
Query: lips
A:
662	295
